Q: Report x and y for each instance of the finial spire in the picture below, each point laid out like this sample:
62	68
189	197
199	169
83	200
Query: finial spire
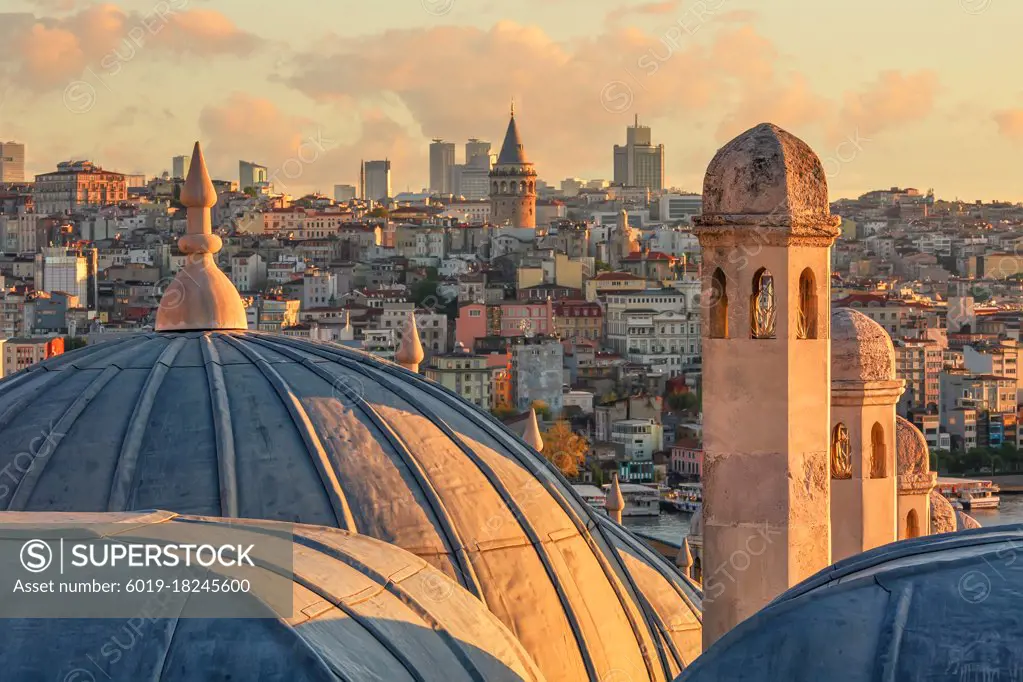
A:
684	560
410	352
513	107
614	503
201	297
532	433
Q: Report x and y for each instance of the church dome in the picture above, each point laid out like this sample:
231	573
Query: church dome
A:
768	172
363	609
911	449
861	349
941	607
253	425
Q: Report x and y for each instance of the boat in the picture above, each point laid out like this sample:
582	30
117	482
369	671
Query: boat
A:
690	498
640	500
970	494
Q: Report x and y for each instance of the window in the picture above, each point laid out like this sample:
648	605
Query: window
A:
718	305
762	311
806	318
912	524
877	452
841	454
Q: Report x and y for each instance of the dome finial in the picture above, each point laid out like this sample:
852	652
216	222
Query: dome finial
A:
684	560
614	503
532	433
201	297
410	352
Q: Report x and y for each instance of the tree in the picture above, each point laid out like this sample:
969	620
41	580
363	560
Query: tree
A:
683	401
543	410
565	448
73	342
502	412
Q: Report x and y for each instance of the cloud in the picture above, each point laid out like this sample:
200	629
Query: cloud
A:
48	52
1010	123
894	99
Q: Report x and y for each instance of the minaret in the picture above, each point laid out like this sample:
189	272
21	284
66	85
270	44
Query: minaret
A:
766	233
410	351
864	473
513	183
201	297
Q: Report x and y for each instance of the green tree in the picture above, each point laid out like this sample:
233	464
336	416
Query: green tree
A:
683	400
543	410
504	411
73	342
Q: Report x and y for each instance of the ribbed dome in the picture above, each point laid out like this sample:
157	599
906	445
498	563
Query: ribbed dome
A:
363	610
943	514
861	349
253	425
942	607
911	449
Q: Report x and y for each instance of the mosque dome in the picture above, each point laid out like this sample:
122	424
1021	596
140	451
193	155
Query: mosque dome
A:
943	514
965	522
911	449
215	421
940	607
861	349
768	172
363	609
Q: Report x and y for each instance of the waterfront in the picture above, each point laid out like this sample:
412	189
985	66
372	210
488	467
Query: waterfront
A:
671	527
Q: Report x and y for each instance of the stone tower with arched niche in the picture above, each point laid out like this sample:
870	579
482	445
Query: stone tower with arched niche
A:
916	483
513	183
766	233
864	468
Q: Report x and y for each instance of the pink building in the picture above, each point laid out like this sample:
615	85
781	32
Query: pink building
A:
471	324
518	318
687	460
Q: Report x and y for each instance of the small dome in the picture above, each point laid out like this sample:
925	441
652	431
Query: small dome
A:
861	349
253	425
767	171
943	514
939	607
362	609
965	522
911	449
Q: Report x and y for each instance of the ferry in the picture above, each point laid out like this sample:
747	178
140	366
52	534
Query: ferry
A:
969	493
687	498
640	500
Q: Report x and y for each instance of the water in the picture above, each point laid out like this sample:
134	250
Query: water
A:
672	527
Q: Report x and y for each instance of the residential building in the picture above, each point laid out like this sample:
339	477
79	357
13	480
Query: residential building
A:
272	314
344	193
640	438
21	352
687	460
653	328
537	371
578	319
999	359
12	162
919	363
65	271
319	289
252	176
961	425
608	282
76	185
248	271
679	207
465	373
639	163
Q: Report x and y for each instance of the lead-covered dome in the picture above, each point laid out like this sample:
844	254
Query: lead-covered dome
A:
861	349
362	610
261	426
914	458
943	607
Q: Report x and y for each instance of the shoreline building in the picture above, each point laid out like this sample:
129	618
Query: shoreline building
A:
513	183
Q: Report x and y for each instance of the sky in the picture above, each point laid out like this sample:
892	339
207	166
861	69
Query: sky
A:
915	93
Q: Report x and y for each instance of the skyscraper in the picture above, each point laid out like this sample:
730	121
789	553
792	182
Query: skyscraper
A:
472	178
474	148
179	167
513	183
12	162
442	158
252	175
639	163
378	180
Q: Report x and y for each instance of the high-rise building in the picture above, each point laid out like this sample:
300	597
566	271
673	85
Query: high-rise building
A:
64	270
377	180
475	148
344	192
442	159
252	175
77	184
12	162
472	178
179	167
639	163
513	183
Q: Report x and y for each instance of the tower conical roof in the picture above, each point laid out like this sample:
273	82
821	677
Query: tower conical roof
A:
512	151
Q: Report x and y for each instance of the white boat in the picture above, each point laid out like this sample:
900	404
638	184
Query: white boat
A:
970	493
640	500
689	498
